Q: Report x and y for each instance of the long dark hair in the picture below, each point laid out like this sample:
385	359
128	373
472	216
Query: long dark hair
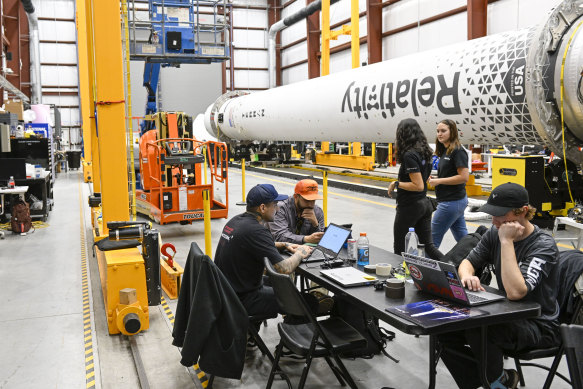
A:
410	137
454	140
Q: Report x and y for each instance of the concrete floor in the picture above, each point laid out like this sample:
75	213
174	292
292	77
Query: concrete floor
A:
41	322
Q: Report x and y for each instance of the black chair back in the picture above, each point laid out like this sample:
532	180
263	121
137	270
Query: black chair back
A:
573	341
287	295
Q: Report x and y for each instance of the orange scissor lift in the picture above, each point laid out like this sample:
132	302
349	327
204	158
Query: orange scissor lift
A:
172	176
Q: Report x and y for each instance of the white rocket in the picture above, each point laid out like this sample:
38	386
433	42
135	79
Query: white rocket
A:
500	89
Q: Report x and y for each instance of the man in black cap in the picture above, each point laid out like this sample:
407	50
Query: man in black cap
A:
524	258
245	241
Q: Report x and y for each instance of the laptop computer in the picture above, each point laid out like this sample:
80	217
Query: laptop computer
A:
330	244
348	276
441	279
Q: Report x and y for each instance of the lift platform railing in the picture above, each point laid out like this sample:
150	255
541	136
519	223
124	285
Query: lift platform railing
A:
179	31
172	153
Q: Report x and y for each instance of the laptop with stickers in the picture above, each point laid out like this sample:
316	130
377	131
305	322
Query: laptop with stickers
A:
441	279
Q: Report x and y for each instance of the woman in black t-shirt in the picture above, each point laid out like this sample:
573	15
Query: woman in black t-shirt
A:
413	207
450	184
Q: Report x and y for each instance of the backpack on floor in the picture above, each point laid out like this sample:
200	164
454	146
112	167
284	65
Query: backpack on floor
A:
368	326
20	221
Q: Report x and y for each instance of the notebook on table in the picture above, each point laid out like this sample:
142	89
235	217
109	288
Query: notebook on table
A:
441	279
330	244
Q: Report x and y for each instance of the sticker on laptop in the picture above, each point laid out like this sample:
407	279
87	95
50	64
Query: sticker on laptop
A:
451	278
419	261
415	272
458	292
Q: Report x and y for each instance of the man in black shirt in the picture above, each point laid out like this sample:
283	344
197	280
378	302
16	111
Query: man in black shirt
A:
245	241
524	258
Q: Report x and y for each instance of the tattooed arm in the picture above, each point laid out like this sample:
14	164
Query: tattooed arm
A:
288	265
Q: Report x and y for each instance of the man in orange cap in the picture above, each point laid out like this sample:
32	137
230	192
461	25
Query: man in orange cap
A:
299	220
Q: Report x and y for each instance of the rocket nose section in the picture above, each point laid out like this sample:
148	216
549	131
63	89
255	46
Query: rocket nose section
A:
207	121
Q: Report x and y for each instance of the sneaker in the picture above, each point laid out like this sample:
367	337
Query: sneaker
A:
511	378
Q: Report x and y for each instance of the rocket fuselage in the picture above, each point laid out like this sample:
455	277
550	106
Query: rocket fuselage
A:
490	86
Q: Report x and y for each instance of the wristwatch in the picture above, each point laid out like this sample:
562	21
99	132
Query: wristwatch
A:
396	185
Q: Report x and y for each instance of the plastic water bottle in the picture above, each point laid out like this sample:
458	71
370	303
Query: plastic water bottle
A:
362	249
421	250
411	246
11	183
411	242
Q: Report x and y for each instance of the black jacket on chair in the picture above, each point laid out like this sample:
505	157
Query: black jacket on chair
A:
211	323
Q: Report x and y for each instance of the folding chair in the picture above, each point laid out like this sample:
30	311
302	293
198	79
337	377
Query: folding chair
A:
572	336
313	339
569	262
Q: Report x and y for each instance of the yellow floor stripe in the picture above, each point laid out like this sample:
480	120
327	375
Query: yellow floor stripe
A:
199	373
88	337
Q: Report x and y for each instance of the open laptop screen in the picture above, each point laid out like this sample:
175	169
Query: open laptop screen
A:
334	238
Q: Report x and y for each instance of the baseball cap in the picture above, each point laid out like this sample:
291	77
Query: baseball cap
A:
308	189
504	198
263	194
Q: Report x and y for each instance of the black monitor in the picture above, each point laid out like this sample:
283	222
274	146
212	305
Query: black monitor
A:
12	167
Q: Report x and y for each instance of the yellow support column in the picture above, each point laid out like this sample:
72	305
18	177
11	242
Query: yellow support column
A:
354	33
84	91
110	104
206	204
325	196
374	152
91	94
325	57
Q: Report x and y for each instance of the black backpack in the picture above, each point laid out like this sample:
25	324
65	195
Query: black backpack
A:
460	251
368	326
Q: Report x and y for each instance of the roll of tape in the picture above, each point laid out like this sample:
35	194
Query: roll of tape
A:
384	269
370	268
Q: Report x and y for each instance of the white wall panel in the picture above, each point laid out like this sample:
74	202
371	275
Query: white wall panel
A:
249	38
250	58
443	32
58	53
342	60
293	32
400	44
508	15
429	8
341	10
61	100
55	8
59	31
59	75
251	79
295	74
249	18
294	54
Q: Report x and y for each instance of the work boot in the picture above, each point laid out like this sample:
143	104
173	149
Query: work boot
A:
510	379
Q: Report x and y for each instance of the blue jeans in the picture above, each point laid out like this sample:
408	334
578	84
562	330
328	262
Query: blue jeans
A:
449	215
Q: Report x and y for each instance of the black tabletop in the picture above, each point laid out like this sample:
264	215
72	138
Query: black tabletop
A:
375	302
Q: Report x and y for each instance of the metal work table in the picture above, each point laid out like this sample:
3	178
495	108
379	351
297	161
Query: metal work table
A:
375	303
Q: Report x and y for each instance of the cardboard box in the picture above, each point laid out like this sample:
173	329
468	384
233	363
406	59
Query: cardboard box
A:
15	106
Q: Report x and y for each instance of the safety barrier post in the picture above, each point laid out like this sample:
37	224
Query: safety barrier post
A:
205	163
242	202
206	203
325	195
374	152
